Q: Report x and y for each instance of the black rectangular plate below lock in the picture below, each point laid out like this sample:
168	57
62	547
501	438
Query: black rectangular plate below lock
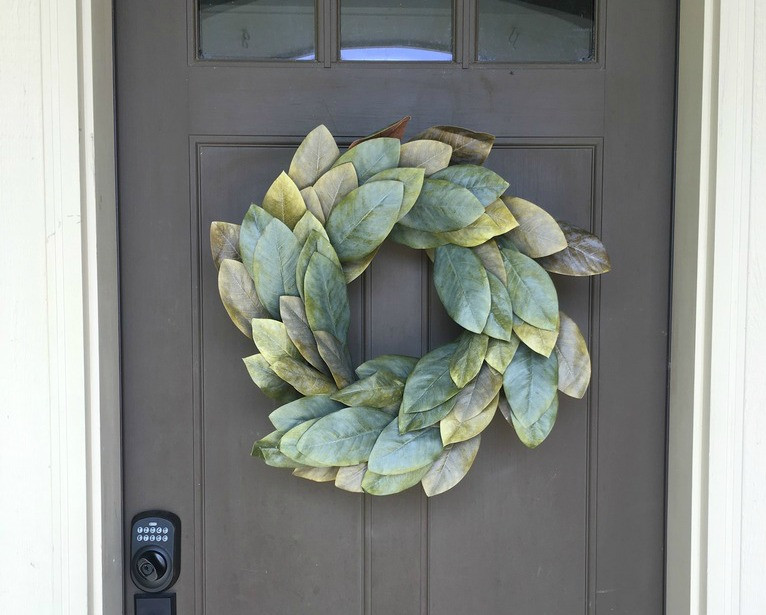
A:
155	604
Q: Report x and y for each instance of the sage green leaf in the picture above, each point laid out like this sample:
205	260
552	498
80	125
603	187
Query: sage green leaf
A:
395	130
502	216
378	484
538	234
288	445
345	437
335	354
496	220
270	336
530	384
418	240
500	353
255	222
539	340
313	204
301	410
268	381
533	435
364	218
500	321
316	242
443	206
451	466
314	156
293	314
326	298
334	185
485	185
380	390
318	475
372	157
459	427
421	420
306	380
350	478
238	295
463	286
531	290
274	260
399	365
306	225
353	269
490	257
283	200
413	183
267	448
399	453
426	154
584	254
224	242
430	383
574	359
468	358
468	147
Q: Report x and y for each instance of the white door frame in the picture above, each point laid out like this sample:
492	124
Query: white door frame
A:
720	104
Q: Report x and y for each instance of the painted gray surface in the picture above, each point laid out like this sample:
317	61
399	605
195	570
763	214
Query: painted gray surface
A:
575	526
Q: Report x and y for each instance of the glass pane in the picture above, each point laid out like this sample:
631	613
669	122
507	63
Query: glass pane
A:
257	29
396	31
536	31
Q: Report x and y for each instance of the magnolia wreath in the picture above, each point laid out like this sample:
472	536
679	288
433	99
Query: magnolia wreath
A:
396	421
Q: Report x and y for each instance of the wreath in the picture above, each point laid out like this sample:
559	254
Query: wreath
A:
396	421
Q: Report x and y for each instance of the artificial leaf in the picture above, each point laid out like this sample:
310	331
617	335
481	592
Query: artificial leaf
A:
288	445
399	453
441	207
530	384
500	321
336	356
270	336
301	410
238	295
334	186
364	218
353	269
313	204
463	286
283	200
268	381
451	466
224	242
314	156
371	157
306	380
471	410
399	365
349	478
255	222
500	353
420	420
326	298
533	435
316	242
468	147
418	240
380	390
413	183
490	257
345	437
538	234
574	359
267	448
459	427
379	484
293	314
430	383
306	225
539	340
426	154
468	358
485	185
274	260
584	254
495	221
395	131
531	290
319	475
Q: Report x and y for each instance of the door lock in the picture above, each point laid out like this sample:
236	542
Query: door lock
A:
155	550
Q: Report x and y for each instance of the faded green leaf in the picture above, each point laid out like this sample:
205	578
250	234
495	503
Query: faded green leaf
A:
238	295
399	365
313	204
430	383
500	321
418	240
306	380
326	298
539	340
314	156
426	154
468	358
350	478
421	420
490	257
371	157
316	242
495	221
468	147
305	226
530	384
538	234
485	185
380	390
274	260
378	484
288	445
267	448
334	185
531	290
395	130
353	269
574	359
270	336
584	254
500	353
463	287
441	207
224	242
466	425
413	183
335	354
451	466
533	435
283	200
319	475
301	410
255	222
267	380
397	453
293	314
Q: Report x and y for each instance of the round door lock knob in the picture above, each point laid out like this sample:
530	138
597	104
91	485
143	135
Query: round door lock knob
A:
150	569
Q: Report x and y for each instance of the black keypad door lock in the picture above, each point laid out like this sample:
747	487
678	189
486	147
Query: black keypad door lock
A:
155	550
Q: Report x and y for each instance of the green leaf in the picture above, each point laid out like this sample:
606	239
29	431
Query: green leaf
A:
500	353
380	390
270	336
334	185
268	449
255	222
539	340
224	242
378	484
413	184
574	359
430	383
288	445
238	295
311	199
397	453
268	381
538	234
531	290
485	185
455	428
353	269
426	154
335	354
350	478
451	466
468	358
293	314
533	435
472	410
345	437
301	410
468	147
530	384
318	475
313	157
306	225
306	380
421	420
326	298
584	254
283	200
463	286
274	260
395	130
490	257
443	206
372	157
418	240
399	365
500	321
364	218
316	242
495	221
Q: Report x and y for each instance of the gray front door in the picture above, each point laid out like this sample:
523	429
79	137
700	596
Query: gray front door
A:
213	97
